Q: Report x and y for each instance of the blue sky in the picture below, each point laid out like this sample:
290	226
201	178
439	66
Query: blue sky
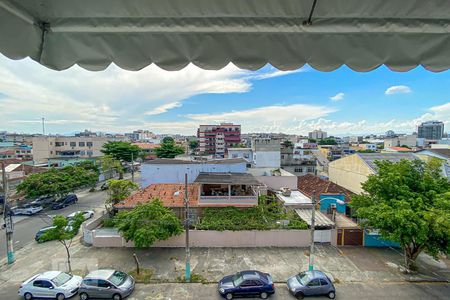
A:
342	102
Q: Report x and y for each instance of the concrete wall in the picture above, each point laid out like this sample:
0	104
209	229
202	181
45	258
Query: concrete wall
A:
89	226
200	239
277	182
267	159
349	172
174	173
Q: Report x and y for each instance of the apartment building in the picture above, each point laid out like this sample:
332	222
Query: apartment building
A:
52	147
404	140
216	139
317	134
431	130
266	153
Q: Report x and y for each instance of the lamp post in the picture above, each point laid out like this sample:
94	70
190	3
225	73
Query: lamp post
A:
313	225
188	253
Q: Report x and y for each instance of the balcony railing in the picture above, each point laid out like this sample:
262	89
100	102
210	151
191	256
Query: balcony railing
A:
225	200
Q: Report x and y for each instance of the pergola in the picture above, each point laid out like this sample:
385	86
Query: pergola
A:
325	34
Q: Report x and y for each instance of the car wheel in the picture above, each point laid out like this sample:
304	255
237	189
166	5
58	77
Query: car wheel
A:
331	295
117	297
60	297
299	295
264	295
84	296
28	296
229	296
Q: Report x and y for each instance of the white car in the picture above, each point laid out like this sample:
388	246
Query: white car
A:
87	214
27	209
53	284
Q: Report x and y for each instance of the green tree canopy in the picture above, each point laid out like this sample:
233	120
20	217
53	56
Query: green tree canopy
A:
109	164
148	223
409	202
125	151
168	149
328	141
287	144
119	190
57	182
193	144
64	232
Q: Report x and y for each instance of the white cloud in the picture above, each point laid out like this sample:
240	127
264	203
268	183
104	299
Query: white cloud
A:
337	97
398	89
163	108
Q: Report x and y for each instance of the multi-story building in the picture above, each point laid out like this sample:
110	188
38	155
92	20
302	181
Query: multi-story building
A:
431	130
317	134
266	153
143	136
216	139
410	141
298	160
54	147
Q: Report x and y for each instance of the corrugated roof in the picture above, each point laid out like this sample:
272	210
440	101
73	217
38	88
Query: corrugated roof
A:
441	152
370	158
165	161
226	178
321	220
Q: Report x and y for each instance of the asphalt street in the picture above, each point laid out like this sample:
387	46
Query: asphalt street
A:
25	227
349	291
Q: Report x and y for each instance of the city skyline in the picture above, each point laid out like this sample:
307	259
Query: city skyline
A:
267	100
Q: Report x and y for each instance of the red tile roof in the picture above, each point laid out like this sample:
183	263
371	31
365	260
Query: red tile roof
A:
309	183
172	195
147	145
400	149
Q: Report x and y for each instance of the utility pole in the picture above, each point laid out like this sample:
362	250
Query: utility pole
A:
313	225
132	167
186	226
9	227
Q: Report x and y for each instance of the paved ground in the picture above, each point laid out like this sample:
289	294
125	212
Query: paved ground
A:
349	291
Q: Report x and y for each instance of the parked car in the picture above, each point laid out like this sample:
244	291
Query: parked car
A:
104	186
44	201
110	284
43	230
65	201
311	283
27	209
53	284
87	214
247	283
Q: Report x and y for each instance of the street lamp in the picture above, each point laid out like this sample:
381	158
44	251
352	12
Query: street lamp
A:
313	225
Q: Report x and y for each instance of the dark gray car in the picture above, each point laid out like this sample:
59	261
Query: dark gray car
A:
106	284
311	283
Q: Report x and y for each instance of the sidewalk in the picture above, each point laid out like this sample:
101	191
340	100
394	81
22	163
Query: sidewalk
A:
345	265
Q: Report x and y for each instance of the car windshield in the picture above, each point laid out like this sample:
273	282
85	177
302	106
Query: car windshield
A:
237	279
117	278
61	279
303	278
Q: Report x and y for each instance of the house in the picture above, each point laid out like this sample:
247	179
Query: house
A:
441	154
148	150
274	178
293	199
298	160
244	153
396	150
174	170
266	152
208	190
351	171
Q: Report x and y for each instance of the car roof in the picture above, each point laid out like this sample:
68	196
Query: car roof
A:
252	274
316	274
100	274
49	275
47	228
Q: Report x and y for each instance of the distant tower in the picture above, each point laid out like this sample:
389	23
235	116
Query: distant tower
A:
43	126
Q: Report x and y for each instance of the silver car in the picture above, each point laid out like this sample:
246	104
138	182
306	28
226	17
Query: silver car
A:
311	283
106	284
53	284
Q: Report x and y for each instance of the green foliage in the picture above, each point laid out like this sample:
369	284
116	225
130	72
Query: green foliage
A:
287	144
89	165
148	223
193	144
409	202
109	164
57	182
118	190
312	140
366	151
238	145
168	149
262	217
328	141
121	150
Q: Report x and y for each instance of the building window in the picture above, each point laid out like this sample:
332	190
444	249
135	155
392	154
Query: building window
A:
298	170
89	153
89	144
310	170
82	152
81	144
73	144
59	144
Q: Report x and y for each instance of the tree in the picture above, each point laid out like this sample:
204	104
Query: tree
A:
168	149
119	190
148	223
328	141
58	182
109	164
64	232
125	151
409	202
287	144
193	144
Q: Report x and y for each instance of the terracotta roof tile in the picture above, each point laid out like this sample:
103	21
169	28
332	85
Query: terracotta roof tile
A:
309	183
172	195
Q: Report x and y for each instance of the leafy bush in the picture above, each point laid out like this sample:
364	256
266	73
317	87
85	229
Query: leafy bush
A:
261	217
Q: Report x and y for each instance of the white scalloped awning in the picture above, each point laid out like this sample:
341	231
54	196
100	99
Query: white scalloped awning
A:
362	34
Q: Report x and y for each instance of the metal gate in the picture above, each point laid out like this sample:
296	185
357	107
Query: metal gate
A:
350	237
322	236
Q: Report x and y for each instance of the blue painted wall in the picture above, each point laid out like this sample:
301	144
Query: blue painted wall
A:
328	199
373	239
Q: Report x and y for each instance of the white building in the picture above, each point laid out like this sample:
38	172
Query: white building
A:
266	153
317	134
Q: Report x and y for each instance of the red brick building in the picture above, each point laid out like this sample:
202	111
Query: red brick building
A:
216	139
